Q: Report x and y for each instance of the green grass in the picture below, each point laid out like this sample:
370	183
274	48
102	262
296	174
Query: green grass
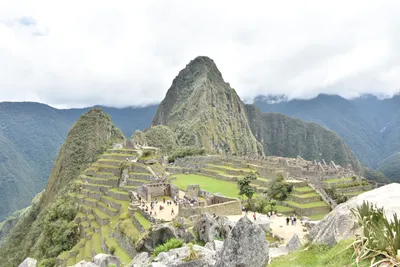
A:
222	173
231	168
352	194
143	221
320	255
303	189
212	185
115	190
283	209
338	180
119	252
96	243
309	195
307	205
317	217
88	250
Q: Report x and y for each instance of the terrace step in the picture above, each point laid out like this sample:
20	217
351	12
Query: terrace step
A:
110	162
140	176
128	188
136	183
111	242
121	151
117	194
100	181
303	190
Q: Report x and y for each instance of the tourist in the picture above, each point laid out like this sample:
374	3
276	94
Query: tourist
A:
294	219
172	211
287	220
164	200
254	216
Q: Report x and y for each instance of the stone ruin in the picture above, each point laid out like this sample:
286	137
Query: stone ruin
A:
157	188
208	202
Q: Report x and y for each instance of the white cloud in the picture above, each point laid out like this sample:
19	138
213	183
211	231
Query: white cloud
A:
119	53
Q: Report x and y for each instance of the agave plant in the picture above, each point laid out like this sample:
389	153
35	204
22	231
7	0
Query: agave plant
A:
380	242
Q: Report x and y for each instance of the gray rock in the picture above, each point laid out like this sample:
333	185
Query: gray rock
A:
245	246
28	262
294	243
209	227
159	235
209	246
340	223
140	260
218	245
264	224
103	260
85	264
176	257
277	252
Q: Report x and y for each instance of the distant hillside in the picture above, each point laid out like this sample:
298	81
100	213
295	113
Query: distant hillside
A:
371	127
203	110
46	229
31	135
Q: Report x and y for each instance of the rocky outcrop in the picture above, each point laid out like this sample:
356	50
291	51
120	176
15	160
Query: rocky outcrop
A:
140	260
159	235
179	257
246	246
104	260
340	223
294	243
28	262
210	228
85	264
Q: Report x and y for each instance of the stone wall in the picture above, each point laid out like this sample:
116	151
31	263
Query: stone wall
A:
224	209
125	242
354	189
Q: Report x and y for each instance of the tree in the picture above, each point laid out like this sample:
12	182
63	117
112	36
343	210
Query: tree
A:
279	189
245	188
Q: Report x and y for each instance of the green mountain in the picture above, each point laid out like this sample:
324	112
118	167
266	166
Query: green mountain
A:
203	110
370	126
391	166
281	135
46	228
31	134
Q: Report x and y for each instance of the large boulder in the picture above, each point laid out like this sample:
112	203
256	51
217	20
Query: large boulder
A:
178	257
104	260
28	262
159	235
210	228
246	246
140	260
294	243
341	224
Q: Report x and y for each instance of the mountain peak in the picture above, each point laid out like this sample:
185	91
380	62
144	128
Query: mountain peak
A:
203	110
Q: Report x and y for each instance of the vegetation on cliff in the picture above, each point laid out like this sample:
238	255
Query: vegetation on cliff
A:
162	137
47	229
288	137
205	111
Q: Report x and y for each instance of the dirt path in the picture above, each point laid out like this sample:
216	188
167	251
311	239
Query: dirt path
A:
165	214
278	225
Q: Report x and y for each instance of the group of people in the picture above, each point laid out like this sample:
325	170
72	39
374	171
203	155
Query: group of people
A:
292	219
151	207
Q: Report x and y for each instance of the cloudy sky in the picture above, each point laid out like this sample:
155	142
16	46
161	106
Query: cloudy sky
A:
120	53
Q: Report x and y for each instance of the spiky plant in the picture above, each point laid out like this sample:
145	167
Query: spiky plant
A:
193	254
380	242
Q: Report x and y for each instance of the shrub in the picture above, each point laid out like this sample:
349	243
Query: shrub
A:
167	246
186	152
381	236
279	189
146	153
193	254
112	250
48	262
337	196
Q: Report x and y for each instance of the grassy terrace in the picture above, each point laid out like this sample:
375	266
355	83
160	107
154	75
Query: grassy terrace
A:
308	195
143	221
303	189
231	168
212	185
222	173
307	205
338	180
